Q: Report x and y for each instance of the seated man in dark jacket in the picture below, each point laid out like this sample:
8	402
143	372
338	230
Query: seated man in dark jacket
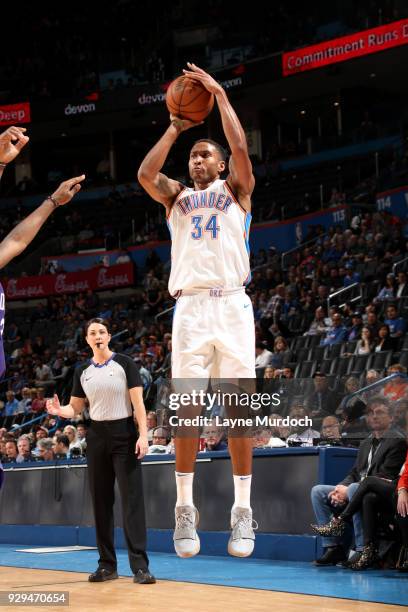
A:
382	453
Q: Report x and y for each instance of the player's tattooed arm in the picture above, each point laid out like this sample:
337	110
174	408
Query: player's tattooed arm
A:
159	186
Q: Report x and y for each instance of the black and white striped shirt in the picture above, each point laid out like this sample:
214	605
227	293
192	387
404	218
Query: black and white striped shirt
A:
107	387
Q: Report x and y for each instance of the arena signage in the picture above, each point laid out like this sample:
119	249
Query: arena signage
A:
79	109
97	279
15	113
346	48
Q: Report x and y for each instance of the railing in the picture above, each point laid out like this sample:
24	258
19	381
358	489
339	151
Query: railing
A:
299	248
377	383
398	263
164	312
348	289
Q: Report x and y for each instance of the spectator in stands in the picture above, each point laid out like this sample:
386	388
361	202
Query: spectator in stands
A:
24	449
302	433
39	346
43	374
351	276
11	407
330	430
285	372
269	372
402	286
337	333
214	438
396	324
384	342
24	405
371	320
365	345
61	446
281	353
387	292
11	452
397	388
38	400
261	438
160	440
318	326
45	449
145	375
71	433
356	326
322	400
380	454
81	435
151	421
263	357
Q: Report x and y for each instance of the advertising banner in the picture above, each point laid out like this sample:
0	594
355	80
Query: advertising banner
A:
15	113
97	279
346	47
394	201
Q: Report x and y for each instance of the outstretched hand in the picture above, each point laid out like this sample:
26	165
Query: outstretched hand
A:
53	406
68	189
11	143
198	74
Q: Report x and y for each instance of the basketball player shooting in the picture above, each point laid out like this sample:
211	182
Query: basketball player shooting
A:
213	324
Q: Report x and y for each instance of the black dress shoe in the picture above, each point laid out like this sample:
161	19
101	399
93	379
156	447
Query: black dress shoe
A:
346	563
331	556
102	574
144	577
402	563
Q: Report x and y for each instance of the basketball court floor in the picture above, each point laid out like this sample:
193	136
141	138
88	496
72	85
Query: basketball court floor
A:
200	584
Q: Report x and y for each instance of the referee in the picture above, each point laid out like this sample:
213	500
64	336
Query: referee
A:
111	383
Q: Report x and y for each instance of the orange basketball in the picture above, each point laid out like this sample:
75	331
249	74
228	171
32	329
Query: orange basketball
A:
189	99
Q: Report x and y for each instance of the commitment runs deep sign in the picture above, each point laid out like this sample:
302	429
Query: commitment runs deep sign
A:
346	48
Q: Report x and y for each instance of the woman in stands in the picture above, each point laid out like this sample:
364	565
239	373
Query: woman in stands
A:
373	495
281	354
365	344
384	342
389	289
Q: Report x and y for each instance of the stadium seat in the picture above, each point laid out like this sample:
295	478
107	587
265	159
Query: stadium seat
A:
302	354
403	360
358	364
325	366
340	366
380	361
317	353
314	341
306	369
299	342
334	350
349	347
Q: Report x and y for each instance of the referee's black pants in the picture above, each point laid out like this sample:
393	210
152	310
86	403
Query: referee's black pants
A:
110	455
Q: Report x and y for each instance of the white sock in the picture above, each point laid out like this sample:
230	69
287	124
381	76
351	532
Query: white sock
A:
184	483
242	491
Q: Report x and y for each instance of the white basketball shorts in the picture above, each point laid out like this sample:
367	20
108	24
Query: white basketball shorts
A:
213	335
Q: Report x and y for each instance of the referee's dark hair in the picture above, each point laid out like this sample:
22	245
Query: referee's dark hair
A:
99	320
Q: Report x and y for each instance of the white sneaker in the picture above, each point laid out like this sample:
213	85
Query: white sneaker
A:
242	539
186	540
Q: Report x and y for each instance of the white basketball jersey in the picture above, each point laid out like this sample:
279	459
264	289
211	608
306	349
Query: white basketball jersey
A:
209	232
